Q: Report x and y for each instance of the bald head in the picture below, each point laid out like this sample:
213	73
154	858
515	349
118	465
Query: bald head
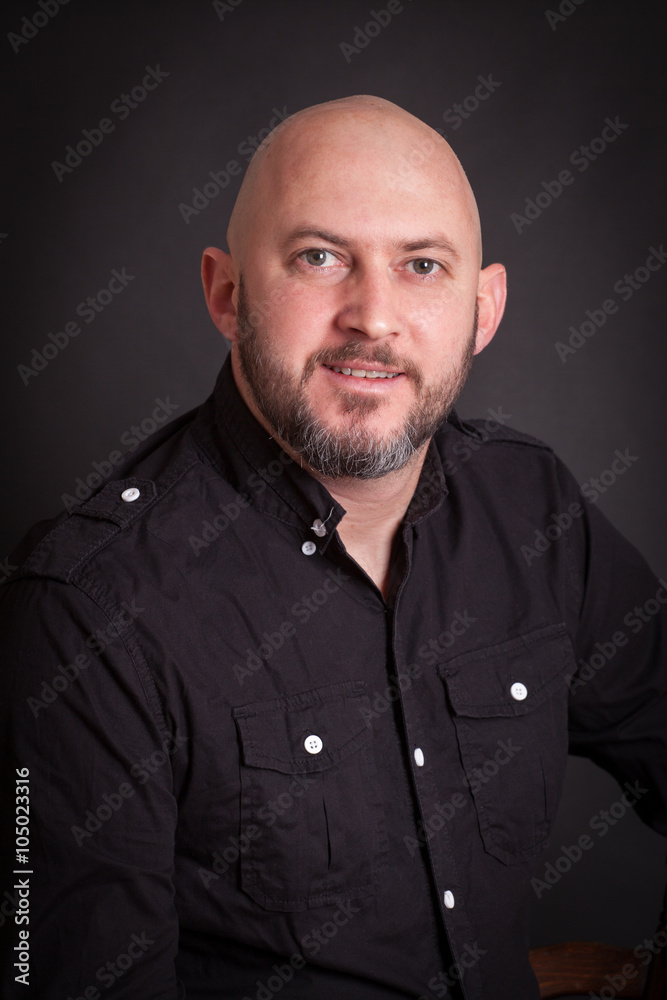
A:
349	138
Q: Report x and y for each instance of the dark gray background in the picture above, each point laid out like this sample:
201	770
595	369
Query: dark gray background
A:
120	208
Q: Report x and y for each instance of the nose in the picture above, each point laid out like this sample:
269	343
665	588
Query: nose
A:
369	304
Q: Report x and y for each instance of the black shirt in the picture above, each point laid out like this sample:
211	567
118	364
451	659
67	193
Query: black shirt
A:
249	774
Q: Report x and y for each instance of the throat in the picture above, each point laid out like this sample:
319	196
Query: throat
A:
378	561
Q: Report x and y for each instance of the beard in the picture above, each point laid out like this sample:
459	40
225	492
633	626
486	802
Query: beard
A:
353	451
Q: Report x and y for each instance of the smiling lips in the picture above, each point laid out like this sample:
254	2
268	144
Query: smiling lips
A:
363	372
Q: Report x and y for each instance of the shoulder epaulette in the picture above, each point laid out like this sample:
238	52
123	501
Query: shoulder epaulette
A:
88	527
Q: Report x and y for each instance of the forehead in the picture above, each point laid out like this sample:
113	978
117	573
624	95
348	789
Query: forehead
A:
377	180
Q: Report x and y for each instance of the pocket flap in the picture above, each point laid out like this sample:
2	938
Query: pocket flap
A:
511	678
274	733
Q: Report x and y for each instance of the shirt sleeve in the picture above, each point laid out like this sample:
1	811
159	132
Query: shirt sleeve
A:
87	825
618	694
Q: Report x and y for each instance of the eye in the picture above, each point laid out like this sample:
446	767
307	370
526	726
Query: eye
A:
424	265
318	258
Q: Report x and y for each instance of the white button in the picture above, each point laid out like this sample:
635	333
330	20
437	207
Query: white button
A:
308	548
419	757
313	744
318	528
129	495
448	899
519	691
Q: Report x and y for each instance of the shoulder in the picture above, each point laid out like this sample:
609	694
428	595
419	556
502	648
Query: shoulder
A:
487	453
115	513
494	428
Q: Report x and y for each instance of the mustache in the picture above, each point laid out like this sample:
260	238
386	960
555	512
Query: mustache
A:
381	355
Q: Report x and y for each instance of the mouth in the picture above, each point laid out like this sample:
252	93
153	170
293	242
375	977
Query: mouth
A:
367	373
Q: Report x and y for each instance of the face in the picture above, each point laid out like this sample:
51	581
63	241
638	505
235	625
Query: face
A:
356	313
351	447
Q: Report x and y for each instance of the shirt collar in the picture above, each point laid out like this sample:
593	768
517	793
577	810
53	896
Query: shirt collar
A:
258	468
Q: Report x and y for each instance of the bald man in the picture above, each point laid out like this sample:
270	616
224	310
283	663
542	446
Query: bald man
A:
346	344
291	696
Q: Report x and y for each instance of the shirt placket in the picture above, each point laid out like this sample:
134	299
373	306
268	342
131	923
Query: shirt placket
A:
442	863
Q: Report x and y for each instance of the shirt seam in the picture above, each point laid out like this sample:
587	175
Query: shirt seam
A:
94	591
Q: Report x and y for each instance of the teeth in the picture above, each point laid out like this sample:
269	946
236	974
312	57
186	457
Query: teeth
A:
362	373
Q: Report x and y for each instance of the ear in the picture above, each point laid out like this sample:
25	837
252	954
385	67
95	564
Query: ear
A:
220	281
491	296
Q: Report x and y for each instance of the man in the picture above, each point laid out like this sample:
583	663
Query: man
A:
293	691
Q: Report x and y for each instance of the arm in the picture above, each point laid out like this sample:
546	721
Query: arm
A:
618	696
77	710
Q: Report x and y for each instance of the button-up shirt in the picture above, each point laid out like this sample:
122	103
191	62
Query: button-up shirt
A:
250	774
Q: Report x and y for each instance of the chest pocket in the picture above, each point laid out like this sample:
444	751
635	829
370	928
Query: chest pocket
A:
509	704
309	803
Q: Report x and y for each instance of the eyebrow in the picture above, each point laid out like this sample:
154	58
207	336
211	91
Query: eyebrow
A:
431	241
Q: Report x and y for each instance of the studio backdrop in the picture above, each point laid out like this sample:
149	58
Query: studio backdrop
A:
129	126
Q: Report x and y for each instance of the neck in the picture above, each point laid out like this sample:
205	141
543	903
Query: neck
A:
375	507
374	510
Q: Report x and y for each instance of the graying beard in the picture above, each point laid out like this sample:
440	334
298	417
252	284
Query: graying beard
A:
357	455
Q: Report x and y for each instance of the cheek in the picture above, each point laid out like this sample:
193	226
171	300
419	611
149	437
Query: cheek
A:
443	357
444	327
298	318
